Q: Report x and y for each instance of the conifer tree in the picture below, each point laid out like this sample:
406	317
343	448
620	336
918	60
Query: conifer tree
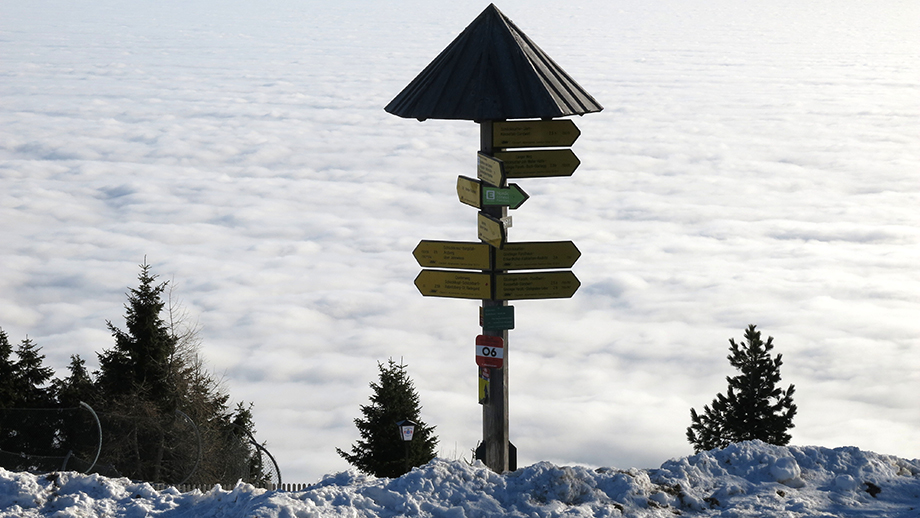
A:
381	451
755	408
32	377
140	360
7	370
30	429
156	395
78	386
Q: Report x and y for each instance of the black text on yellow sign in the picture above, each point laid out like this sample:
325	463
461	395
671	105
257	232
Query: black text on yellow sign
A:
497	286
534	133
493	230
525	255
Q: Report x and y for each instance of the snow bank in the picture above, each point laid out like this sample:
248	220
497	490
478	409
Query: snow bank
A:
747	479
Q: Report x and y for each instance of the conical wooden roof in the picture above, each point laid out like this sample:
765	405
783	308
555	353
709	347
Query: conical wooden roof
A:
492	71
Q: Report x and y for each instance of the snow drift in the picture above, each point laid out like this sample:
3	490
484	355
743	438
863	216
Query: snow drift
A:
746	479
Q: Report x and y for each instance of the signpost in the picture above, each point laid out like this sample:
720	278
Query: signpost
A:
492	230
469	191
490	170
525	255
537	163
490	351
452	254
537	285
512	197
534	133
517	98
537	255
474	194
496	317
453	284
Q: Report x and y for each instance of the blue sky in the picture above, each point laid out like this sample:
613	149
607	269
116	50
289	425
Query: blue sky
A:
753	164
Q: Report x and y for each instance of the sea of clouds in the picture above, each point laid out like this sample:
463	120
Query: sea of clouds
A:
754	164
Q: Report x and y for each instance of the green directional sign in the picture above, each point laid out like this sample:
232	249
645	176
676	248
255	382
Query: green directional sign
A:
512	197
474	194
492	230
457	285
450	254
534	133
536	255
490	170
538	163
537	285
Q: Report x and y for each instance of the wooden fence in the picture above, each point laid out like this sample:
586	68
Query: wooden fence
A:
204	488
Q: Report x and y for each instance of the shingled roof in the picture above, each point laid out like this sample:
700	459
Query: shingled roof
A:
492	71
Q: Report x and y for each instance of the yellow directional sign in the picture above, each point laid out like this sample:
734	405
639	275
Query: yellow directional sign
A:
447	254
534	133
490	170
469	191
536	255
458	285
492	230
538	163
537	285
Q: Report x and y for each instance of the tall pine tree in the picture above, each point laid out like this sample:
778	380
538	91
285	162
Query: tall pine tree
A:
381	451
139	364
156	399
755	408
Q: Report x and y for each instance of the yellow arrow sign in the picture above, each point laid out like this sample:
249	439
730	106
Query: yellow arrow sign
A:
534	133
458	285
540	163
469	191
490	170
536	255
537	285
448	254
492	230
533	255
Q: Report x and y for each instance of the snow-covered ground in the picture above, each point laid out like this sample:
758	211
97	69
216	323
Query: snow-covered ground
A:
748	479
756	163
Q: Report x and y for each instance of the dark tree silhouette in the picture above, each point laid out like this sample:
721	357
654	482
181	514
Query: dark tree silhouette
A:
381	451
755	408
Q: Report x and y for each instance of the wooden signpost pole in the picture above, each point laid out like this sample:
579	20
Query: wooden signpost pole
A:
459	84
495	435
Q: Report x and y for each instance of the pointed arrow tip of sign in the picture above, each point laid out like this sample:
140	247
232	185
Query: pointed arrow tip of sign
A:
523	196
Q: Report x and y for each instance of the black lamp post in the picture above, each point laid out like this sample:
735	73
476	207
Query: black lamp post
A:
406	431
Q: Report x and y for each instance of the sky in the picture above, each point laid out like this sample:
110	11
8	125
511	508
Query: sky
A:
754	164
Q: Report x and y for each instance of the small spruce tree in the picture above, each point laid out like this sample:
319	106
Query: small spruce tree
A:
78	386
755	408
381	451
33	377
